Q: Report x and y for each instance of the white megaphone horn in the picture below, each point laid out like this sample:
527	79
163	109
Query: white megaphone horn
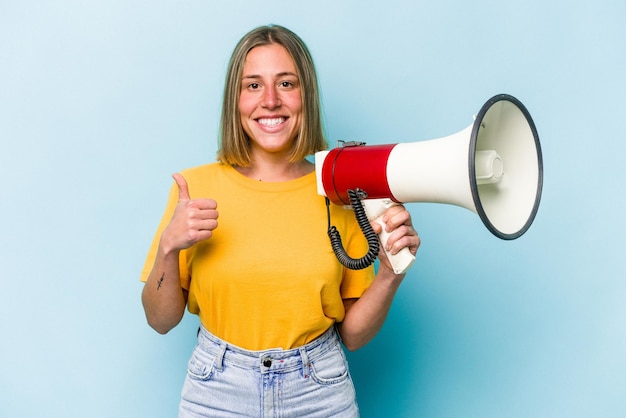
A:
494	168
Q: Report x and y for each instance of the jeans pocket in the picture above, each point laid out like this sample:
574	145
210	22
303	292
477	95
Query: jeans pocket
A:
331	368
201	365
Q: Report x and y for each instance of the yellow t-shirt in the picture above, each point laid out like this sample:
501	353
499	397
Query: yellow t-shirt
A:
268	277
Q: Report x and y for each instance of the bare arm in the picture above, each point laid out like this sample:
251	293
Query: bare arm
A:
365	316
163	298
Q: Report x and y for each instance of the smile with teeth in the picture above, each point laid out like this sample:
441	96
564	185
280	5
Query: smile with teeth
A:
270	122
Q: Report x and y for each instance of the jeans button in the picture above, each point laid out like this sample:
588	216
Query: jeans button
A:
267	362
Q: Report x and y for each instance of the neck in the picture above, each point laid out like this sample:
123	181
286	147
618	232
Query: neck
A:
276	171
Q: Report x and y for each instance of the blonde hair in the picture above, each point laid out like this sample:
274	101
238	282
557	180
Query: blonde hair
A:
234	144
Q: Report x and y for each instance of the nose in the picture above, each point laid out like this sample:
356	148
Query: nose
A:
271	98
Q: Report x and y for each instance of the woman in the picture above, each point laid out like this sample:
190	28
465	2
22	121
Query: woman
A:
273	301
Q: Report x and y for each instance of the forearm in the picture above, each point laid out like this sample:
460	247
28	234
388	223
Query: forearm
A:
163	298
366	316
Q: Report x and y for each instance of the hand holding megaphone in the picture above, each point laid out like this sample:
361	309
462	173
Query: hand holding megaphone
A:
376	210
494	168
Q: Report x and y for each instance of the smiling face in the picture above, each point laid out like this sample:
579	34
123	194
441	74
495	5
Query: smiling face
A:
270	101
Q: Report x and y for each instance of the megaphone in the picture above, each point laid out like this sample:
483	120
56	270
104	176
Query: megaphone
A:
494	168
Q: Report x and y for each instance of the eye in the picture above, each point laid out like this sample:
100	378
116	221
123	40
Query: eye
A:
253	86
289	83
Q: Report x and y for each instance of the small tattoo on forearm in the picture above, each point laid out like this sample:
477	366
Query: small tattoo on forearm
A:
160	282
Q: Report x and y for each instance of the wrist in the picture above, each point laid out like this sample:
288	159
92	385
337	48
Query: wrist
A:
166	249
387	275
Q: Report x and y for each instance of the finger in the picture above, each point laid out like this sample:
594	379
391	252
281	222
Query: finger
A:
205	216
403	236
207	225
205	204
395	217
183	189
396	240
377	225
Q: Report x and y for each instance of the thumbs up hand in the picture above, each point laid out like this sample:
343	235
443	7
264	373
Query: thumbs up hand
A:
193	221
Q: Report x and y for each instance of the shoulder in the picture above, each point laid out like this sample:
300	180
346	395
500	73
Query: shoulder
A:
204	170
206	173
203	180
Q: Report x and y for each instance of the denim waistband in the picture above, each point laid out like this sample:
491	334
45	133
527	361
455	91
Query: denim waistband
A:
271	360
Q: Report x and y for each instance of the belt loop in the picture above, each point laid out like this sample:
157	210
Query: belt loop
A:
219	359
305	362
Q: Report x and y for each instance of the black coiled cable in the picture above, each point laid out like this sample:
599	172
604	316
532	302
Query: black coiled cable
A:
361	218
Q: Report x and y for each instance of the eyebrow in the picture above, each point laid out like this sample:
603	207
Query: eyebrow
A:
283	74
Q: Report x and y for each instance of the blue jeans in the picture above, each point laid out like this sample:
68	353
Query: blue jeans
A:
227	381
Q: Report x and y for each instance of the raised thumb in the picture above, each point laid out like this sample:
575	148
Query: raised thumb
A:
183	189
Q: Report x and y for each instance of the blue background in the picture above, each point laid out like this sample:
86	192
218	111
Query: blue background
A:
100	101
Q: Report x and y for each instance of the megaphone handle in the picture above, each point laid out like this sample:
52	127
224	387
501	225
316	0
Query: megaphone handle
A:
375	209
